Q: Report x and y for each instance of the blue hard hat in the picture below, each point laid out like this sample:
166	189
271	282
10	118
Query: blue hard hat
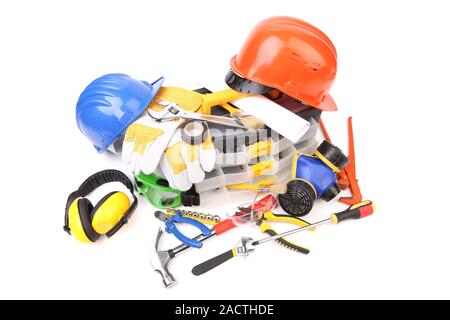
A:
110	104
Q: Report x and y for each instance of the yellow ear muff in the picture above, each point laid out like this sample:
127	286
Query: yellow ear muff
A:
109	210
75	224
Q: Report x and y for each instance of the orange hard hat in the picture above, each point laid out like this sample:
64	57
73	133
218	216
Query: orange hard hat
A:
290	55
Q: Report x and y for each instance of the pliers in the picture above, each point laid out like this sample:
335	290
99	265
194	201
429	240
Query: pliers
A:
245	245
170	222
268	229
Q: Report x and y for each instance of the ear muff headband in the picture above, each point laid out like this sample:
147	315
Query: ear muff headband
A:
92	183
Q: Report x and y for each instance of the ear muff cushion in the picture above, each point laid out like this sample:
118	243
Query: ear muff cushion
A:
109	210
102	200
85	208
79	221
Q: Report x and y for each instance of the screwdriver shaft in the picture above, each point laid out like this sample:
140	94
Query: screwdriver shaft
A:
288	233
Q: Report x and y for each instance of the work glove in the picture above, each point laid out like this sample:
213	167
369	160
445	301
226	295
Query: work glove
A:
145	141
189	155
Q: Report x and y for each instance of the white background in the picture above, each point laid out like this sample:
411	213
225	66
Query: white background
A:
393	77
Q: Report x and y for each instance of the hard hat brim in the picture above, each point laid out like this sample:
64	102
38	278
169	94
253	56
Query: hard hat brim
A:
154	88
327	104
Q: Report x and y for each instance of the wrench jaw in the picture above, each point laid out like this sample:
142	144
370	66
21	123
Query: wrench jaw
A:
169	111
245	247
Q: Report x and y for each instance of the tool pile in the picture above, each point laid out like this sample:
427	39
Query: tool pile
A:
253	142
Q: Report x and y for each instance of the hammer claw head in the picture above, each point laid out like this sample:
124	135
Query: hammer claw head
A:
159	260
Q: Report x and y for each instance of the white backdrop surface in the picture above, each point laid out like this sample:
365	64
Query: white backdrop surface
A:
392	78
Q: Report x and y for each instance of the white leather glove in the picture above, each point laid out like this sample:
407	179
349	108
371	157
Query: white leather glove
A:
145	141
190	154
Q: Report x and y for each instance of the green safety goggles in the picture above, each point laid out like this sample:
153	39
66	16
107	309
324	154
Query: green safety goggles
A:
158	192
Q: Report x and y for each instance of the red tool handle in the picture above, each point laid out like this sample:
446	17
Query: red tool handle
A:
223	226
357	211
260	206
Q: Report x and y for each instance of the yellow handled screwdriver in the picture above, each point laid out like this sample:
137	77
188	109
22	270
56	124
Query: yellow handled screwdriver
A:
357	211
246	245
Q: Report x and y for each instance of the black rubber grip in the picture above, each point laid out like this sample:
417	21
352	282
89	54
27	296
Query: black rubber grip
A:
212	263
348	214
287	244
357	211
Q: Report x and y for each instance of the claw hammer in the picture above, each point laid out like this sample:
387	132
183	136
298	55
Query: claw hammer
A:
160	259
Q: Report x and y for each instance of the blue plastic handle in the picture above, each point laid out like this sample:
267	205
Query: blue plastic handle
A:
177	218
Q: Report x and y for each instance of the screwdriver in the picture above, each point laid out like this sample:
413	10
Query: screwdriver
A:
246	245
356	211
